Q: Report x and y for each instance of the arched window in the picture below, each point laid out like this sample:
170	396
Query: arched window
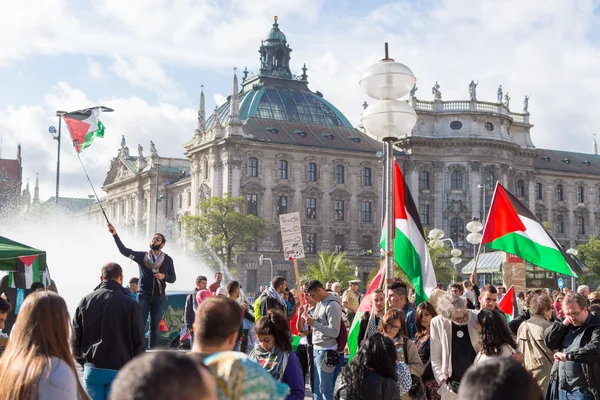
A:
456	180
490	180
424	180
253	166
581	225
311	172
538	191
339	174
205	169
366	177
282	170
560	223
457	231
580	194
560	193
520	188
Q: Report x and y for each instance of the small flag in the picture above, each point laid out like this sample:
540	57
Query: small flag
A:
32	270
184	334
411	252
365	305
47	279
508	304
511	227
84	126
11	280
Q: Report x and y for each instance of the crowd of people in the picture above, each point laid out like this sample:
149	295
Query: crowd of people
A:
456	345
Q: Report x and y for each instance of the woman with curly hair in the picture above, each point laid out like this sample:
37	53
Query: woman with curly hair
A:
37	363
273	351
495	338
424	314
372	372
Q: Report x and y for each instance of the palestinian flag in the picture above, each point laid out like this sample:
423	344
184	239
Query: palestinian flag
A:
512	228
365	305
84	126
410	246
508	304
32	270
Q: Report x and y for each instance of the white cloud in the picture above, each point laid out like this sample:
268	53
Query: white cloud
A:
94	68
219	98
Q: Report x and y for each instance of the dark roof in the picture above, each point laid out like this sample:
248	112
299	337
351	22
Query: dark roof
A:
72	204
568	161
302	134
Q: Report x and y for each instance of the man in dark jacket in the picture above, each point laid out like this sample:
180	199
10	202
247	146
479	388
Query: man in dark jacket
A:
272	298
577	342
156	268
191	305
108	332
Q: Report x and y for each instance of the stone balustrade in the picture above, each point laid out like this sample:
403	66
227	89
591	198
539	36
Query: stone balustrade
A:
440	106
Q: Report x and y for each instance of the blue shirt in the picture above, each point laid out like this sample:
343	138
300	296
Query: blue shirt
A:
409	312
132	295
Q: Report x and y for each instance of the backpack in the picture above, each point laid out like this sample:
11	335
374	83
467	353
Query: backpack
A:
342	338
417	387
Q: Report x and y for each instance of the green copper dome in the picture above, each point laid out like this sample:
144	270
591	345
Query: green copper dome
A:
275	34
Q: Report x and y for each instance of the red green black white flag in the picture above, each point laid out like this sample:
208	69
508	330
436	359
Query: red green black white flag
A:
84	126
511	227
508	304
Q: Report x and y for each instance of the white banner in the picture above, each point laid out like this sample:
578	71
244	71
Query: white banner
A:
291	236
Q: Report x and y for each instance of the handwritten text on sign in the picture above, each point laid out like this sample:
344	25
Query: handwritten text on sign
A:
291	236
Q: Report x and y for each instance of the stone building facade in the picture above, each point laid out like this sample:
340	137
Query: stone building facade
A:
285	148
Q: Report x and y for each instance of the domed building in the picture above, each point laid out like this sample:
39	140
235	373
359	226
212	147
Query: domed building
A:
284	148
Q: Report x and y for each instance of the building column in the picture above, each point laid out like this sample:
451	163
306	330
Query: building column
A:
474	170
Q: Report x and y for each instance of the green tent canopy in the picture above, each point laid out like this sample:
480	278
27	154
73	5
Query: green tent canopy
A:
10	251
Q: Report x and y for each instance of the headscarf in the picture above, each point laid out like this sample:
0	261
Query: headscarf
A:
203	295
274	361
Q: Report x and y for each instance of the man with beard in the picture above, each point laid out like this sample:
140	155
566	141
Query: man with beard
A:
369	324
156	268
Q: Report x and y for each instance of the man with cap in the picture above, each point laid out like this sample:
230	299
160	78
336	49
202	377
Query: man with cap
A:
350	300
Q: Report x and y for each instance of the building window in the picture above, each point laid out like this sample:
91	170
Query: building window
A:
311	208
172	202
282	169
581	194
581	225
520	188
366	212
205	169
253	166
252	204
538	191
282	205
311	243
490	180
252	281
367	245
598	195
425	214
456	180
338	210
180	200
455	125
560	224
311	172
489	126
339	243
339	174
424	179
457	231
366	177
189	199
560	194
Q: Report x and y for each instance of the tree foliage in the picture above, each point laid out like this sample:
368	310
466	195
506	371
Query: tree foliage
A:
222	229
330	267
443	268
589	253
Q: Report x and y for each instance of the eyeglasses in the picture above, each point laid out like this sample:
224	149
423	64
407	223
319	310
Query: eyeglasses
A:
156	239
397	327
574	314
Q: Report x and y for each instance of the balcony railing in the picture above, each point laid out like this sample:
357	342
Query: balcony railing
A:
441	106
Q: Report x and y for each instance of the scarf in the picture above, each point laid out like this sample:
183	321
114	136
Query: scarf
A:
373	325
273	294
274	361
149	260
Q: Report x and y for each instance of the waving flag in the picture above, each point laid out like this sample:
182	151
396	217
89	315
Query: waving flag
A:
512	228
32	270
84	126
365	305
410	246
508	304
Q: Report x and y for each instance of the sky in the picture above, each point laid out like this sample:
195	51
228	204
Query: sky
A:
147	59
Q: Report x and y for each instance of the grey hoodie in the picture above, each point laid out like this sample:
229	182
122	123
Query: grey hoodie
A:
328	316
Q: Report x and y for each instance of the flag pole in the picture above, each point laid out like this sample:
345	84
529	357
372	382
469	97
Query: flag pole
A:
93	190
487	220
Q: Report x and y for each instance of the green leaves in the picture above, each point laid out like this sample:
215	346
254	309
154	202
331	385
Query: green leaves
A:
330	267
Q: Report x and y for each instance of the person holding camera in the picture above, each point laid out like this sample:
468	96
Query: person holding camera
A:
156	268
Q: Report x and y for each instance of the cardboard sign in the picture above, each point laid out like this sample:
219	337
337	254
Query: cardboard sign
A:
291	236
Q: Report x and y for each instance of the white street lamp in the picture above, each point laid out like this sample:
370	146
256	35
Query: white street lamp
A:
387	119
573	252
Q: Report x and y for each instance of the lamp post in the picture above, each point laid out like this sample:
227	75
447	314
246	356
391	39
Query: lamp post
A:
56	136
261	260
437	240
387	119
572	251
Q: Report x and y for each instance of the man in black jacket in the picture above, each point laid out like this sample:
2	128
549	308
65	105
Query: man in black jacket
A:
191	304
156	268
108	332
577	341
272	298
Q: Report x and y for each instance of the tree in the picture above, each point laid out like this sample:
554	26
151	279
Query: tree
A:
443	268
222	229
330	267
589	253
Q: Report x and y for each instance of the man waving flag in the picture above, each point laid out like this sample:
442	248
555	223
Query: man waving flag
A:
511	227
84	125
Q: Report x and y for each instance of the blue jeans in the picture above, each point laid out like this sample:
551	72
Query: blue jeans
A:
324	382
582	394
153	305
97	381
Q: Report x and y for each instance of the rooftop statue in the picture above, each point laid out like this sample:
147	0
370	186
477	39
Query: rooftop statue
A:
526	104
435	90
153	151
500	95
473	90
140	151
507	100
413	91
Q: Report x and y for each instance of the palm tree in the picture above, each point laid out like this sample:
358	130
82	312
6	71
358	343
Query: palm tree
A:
330	267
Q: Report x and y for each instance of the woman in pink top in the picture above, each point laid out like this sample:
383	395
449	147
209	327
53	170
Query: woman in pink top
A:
203	295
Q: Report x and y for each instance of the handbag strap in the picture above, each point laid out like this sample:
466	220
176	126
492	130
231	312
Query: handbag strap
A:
536	343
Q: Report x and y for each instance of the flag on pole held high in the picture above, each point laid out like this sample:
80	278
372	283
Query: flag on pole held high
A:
411	252
508	304
511	227
84	125
365	305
